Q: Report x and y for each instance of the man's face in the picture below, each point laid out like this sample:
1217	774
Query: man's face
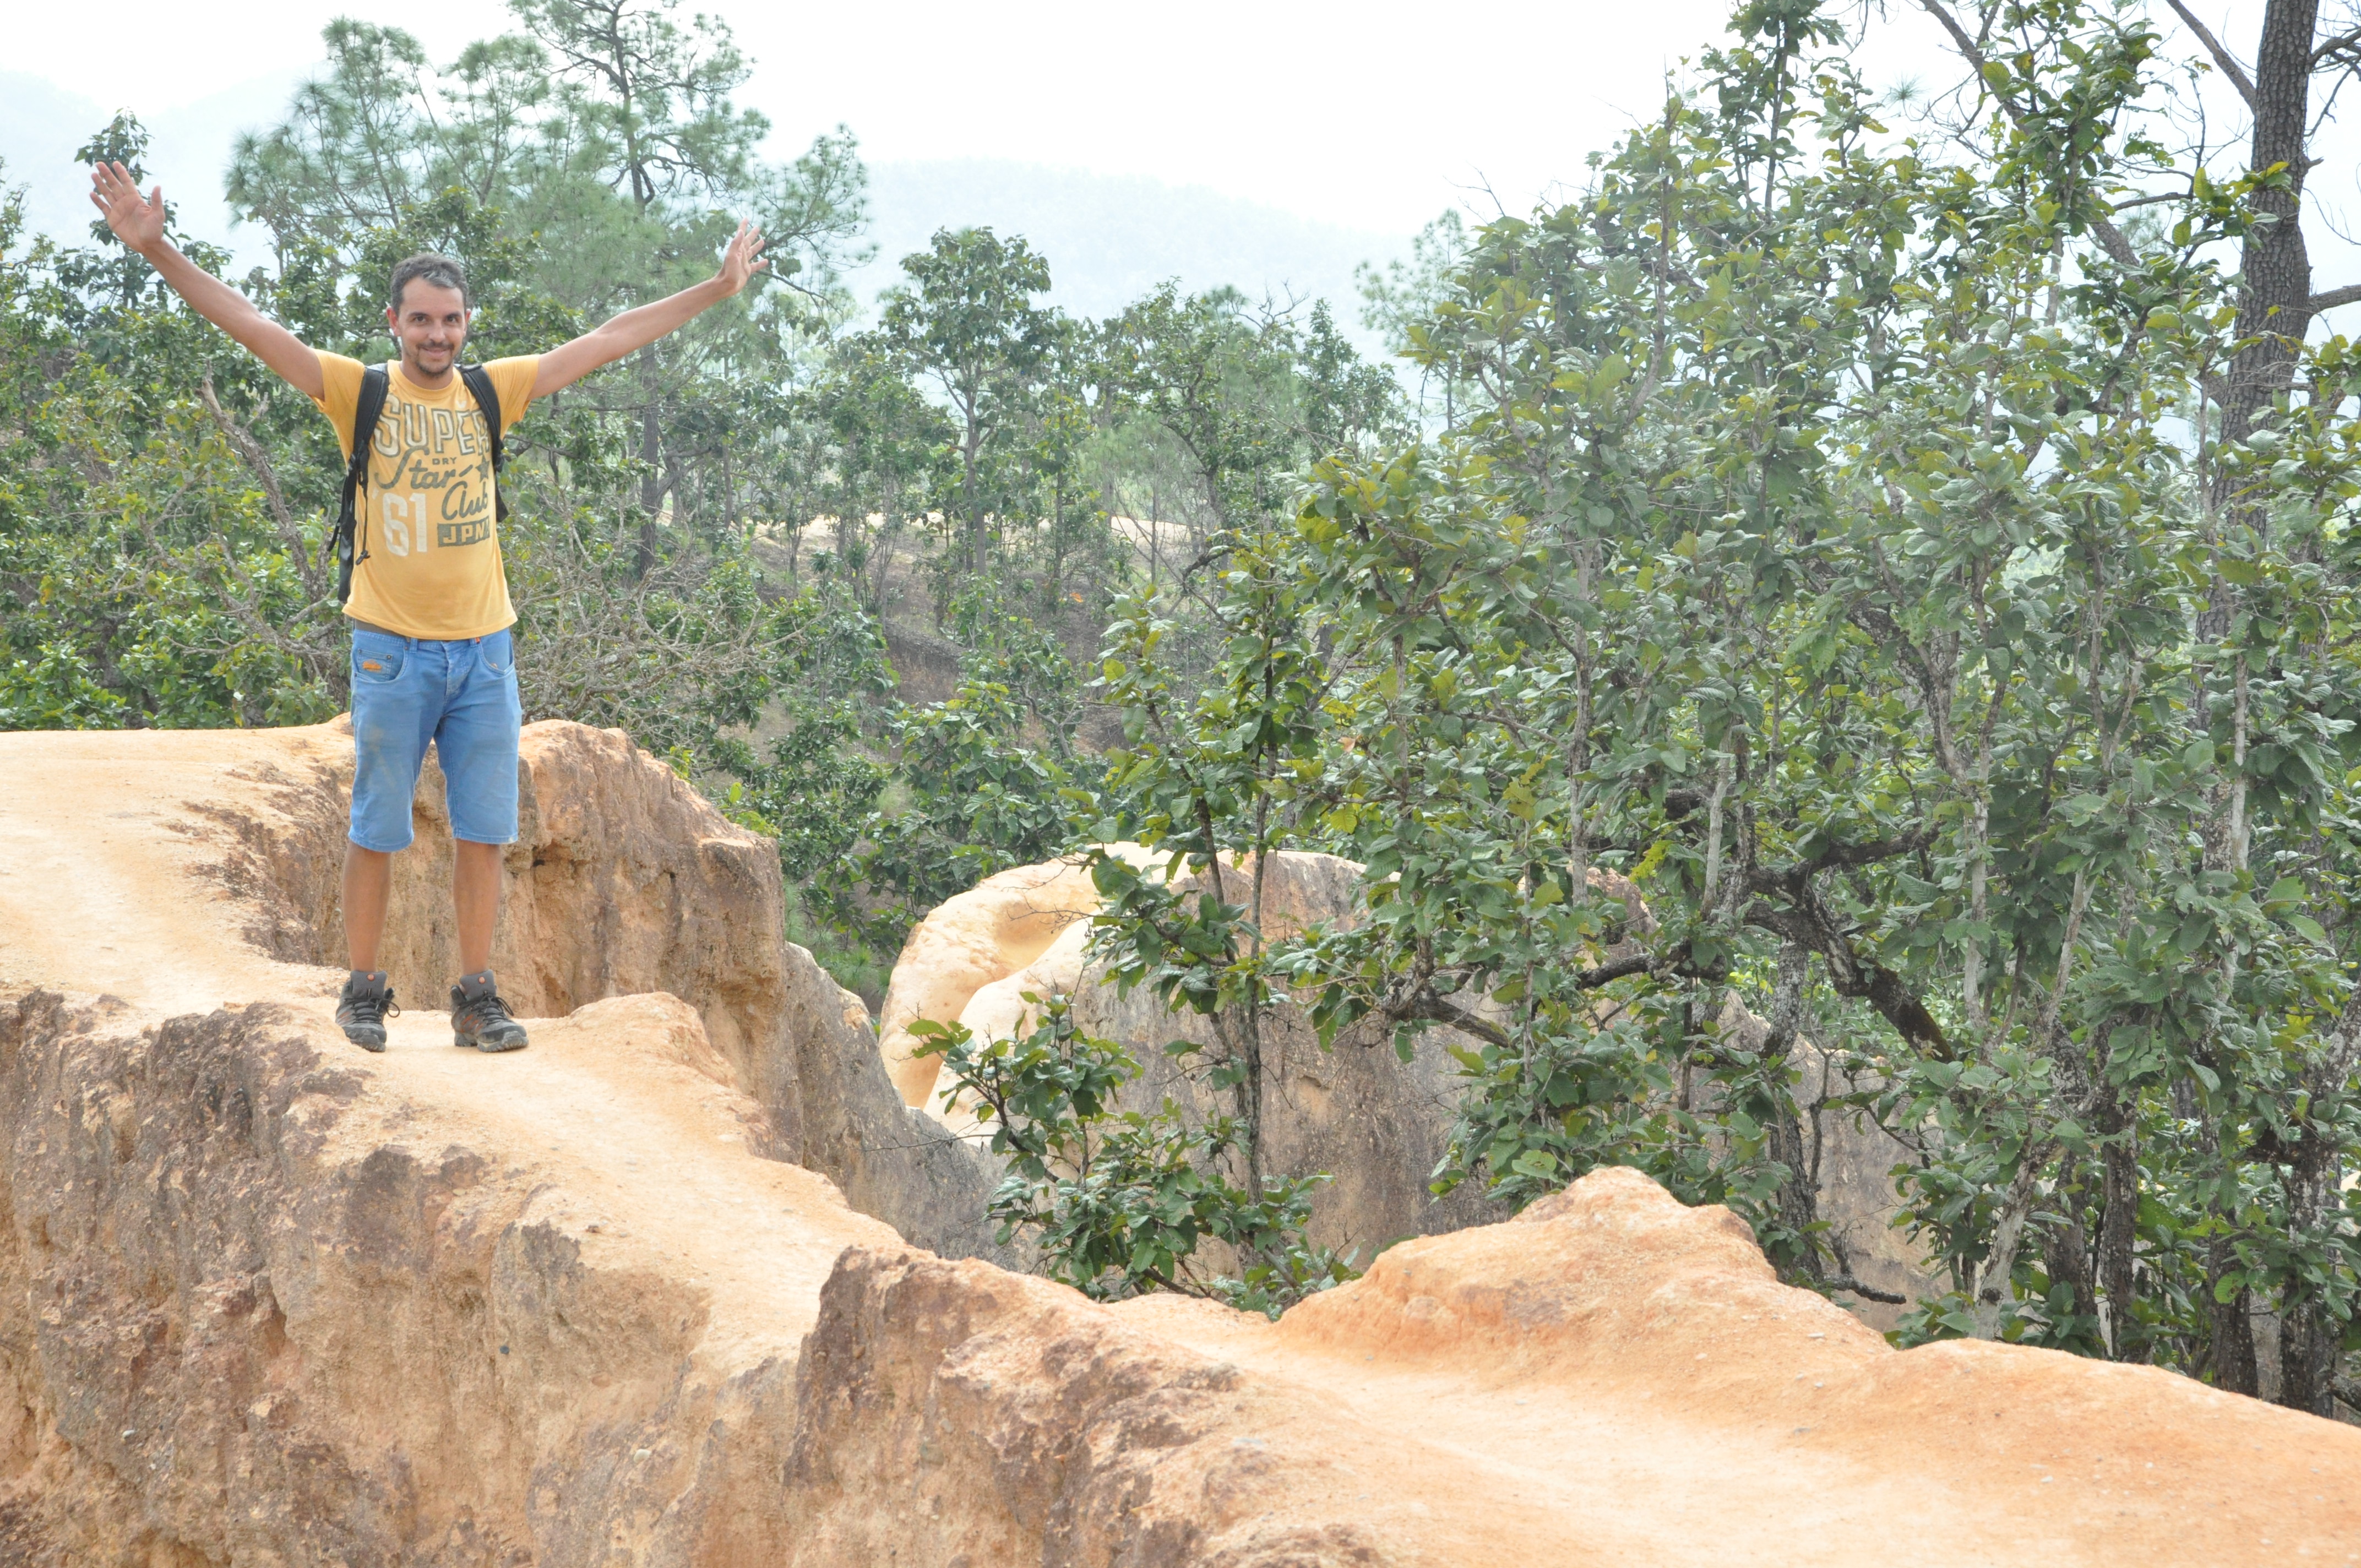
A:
432	324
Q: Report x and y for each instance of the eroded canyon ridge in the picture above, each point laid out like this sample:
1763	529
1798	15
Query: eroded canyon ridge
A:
686	1283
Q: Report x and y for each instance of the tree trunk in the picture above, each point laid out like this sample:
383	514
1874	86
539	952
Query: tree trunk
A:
969	457
2234	1330
2310	1343
888	526
2066	1255
2310	1340
2118	1229
1798	1202
2275	307
651	485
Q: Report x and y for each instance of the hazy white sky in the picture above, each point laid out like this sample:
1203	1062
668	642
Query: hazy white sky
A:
1376	115
1372	116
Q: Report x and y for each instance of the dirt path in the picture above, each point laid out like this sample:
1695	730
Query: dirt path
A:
102	882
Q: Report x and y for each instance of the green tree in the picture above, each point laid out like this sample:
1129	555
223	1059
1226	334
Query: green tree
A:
888	458
965	322
1120	1202
1211	782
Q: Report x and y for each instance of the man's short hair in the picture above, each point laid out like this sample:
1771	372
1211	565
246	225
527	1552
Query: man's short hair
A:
440	271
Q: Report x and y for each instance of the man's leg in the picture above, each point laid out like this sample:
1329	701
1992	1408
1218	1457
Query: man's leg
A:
478	743
369	883
476	898
394	693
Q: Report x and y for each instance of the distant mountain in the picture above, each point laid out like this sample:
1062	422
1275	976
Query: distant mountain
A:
40	127
1109	238
42	124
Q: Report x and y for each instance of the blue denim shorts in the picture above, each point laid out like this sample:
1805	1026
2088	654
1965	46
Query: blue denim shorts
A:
460	696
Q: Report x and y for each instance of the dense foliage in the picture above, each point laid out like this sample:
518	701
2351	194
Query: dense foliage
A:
1122	1201
1846	545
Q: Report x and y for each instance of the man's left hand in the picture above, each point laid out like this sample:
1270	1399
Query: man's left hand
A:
742	260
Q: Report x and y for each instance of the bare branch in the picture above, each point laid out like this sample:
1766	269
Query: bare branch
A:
2341	48
2148	200
1966	45
2329	299
2222	56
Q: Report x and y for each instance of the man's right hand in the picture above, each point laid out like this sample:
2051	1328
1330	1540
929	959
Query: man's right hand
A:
138	221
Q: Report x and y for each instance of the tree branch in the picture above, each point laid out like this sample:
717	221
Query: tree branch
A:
1869	854
1850	974
2341	45
2222	56
1638	963
1866	1292
1440	1010
2329	299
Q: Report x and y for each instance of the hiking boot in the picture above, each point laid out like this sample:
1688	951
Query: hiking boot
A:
363	1006
479	1018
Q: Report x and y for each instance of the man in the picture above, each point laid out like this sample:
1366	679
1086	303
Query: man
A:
431	658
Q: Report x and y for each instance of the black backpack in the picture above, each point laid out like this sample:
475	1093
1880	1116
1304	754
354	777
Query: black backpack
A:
365	416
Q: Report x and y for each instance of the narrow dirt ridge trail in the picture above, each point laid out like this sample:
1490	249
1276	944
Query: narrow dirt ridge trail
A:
661	1160
265	1297
103	872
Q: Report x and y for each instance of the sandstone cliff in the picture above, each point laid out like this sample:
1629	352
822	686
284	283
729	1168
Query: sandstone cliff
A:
623	879
265	1299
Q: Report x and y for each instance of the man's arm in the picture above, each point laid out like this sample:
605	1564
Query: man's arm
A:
138	222
635	329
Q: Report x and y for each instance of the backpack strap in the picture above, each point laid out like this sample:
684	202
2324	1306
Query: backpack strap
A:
487	402
366	409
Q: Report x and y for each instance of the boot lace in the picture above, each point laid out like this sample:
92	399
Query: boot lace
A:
372	1007
489	1009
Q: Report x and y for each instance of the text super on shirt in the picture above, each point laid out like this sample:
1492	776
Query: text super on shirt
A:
426	516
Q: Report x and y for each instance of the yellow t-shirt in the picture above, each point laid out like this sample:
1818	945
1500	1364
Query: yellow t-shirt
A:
425	521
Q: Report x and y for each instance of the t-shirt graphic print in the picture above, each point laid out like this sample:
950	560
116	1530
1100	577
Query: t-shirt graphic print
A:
424	516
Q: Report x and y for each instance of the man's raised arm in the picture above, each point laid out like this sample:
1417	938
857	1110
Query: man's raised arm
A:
138	222
635	329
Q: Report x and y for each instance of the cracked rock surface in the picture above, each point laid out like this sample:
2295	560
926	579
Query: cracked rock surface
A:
649	1292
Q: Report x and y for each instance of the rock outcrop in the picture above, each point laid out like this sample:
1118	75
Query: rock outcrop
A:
623	879
267	1300
988	940
263	1303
